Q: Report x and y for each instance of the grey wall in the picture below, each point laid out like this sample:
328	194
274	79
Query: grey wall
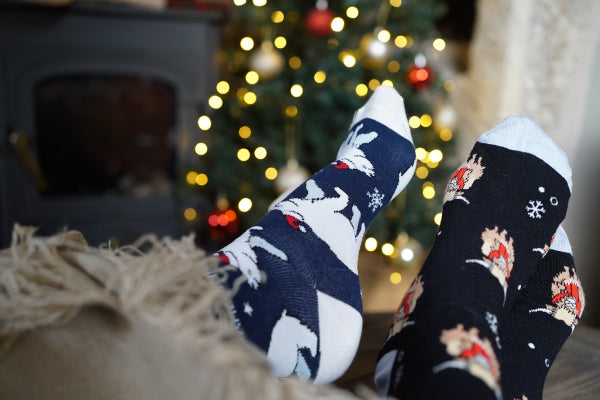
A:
583	218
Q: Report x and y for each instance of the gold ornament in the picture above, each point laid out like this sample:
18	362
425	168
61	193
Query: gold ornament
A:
290	176
267	61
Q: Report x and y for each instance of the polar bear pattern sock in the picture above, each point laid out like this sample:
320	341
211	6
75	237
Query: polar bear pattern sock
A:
501	210
301	302
542	319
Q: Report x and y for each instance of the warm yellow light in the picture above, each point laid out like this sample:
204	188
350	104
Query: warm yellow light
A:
414	122
320	76
277	17
190	214
247	43
252	77
384	36
260	153
259	3
428	190
250	98
387	82
190	177
204	123
432	164
426	120
352	12
201	148
439	44
239	2
371	244
396	3
362	89
436	155
295	62
438	218
245	204
401	41
374	84
243	154
445	134
296	90
280	42
421	172
291	111
201	179
215	102
449	85
349	60
387	249
271	173
393	66
395	277
222	87
421	153
244	132
337	24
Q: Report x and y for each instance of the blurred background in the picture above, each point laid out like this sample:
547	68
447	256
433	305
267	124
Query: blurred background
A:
172	117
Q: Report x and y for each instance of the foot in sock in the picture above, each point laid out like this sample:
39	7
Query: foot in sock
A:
542	319
301	303
501	210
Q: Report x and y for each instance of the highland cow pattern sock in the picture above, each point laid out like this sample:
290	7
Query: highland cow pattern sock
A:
302	302
542	319
501	210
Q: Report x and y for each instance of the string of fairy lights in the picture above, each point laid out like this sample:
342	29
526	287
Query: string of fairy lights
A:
375	45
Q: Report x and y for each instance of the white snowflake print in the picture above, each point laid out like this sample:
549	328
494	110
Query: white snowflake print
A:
376	199
248	308
535	209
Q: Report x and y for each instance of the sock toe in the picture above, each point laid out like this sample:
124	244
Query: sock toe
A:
387	107
523	134
561	241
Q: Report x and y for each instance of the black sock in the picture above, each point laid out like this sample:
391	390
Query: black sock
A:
501	211
542	319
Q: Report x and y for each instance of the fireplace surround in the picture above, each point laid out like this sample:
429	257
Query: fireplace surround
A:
98	110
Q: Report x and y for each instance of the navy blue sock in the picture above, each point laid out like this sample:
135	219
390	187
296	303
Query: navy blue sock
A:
301	303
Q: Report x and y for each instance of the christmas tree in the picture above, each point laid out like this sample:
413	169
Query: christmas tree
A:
292	75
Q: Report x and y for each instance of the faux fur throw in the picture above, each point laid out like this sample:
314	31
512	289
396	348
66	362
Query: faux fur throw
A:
175	317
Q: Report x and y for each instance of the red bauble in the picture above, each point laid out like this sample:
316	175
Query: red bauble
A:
318	21
419	77
222	223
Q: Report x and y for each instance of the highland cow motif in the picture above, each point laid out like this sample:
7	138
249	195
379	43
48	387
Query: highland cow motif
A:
472	354
499	254
567	298
463	179
408	304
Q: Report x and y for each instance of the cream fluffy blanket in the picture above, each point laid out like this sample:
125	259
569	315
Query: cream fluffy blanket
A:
146	321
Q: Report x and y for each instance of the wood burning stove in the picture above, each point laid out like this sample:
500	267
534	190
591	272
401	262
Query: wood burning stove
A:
98	110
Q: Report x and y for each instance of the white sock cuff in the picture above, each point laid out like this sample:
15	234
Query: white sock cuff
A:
387	107
523	134
561	241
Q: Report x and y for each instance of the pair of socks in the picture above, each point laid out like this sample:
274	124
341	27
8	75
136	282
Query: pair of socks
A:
300	299
498	294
